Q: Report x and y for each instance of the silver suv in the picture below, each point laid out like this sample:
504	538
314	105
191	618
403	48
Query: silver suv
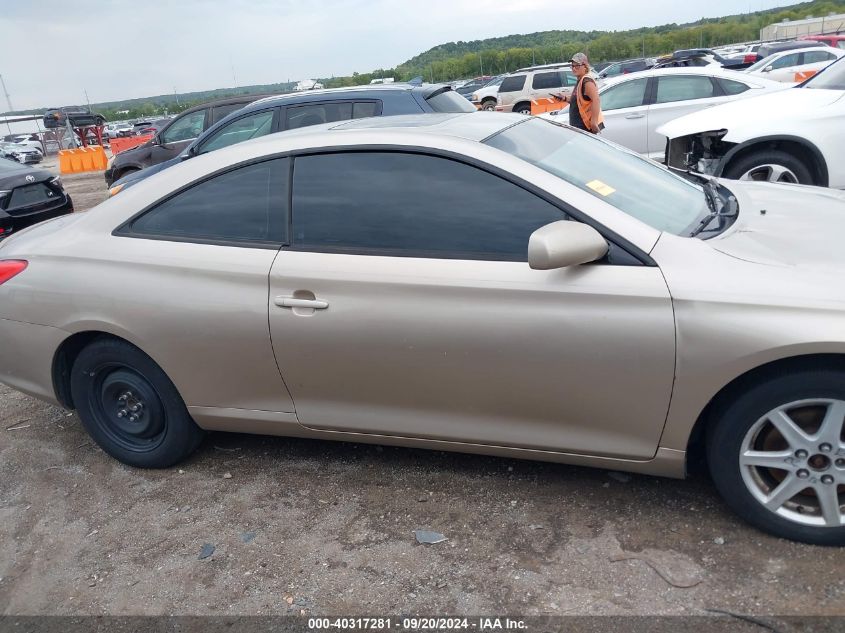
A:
520	88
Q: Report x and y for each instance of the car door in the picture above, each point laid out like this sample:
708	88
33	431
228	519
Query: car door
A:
626	113
544	84
200	262
811	63
178	135
675	96
784	68
404	306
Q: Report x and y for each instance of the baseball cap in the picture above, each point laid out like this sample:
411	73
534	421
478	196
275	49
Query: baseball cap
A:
580	58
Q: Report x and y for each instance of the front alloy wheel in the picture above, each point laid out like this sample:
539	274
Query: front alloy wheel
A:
793	461
776	453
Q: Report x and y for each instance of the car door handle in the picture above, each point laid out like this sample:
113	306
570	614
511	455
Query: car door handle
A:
294	302
635	116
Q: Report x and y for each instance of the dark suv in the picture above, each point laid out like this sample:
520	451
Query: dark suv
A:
79	117
301	109
175	136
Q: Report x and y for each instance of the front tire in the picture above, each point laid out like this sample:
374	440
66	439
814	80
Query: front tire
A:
130	407
489	105
770	166
777	455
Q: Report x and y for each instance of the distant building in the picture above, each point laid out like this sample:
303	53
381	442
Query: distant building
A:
307	84
384	80
792	29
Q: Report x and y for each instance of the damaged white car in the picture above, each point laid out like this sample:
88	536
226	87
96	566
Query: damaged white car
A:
795	135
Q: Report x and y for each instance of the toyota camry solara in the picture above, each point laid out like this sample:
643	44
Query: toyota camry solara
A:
477	282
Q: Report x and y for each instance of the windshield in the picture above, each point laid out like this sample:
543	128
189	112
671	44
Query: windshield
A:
761	64
830	78
494	82
623	179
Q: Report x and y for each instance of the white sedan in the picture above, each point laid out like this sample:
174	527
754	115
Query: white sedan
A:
635	105
792	136
795	65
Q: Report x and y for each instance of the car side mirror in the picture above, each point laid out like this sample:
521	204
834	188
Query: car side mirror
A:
768	69
564	243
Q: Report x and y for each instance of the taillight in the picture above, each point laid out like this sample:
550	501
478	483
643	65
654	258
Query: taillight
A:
10	267
750	58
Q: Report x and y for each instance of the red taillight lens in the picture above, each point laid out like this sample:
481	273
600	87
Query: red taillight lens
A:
10	267
750	58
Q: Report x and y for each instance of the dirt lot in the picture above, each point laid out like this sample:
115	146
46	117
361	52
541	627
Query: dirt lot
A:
327	528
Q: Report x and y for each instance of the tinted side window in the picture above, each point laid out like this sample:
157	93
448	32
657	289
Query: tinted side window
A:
364	109
248	204
683	88
627	95
243	129
218	113
314	114
732	87
411	205
813	57
514	83
188	127
786	61
543	81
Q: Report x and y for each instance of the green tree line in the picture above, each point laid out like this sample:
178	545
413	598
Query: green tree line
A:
457	60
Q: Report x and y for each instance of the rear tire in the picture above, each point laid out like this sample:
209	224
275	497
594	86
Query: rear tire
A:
770	166
522	108
130	407
777	456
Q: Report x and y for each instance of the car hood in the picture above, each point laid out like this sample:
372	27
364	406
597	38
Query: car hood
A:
785	225
760	110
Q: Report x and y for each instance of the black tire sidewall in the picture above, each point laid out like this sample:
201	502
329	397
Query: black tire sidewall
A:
769	157
734	418
182	435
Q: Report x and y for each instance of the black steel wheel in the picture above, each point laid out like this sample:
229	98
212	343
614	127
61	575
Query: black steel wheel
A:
130	407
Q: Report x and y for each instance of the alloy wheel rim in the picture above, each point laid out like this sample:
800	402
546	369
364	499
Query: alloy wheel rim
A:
770	173
792	461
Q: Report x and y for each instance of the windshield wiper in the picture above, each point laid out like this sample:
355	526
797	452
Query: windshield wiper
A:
720	206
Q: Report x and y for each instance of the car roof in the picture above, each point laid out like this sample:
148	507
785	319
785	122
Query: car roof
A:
472	126
710	71
222	102
358	91
805	49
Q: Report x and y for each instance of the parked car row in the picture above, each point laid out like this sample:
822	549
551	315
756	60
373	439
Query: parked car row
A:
211	126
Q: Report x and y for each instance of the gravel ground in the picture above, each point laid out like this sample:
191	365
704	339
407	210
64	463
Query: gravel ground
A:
297	526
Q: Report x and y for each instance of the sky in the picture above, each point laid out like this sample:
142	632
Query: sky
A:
53	51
